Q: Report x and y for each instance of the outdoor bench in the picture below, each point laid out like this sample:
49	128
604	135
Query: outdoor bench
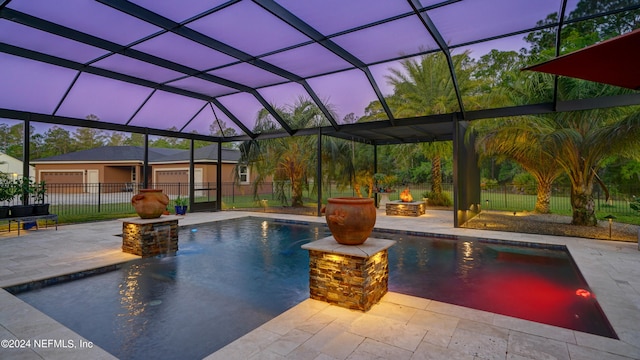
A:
32	219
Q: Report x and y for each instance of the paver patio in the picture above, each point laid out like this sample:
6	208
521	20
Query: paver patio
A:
399	327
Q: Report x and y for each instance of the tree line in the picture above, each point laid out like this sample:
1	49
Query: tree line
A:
58	140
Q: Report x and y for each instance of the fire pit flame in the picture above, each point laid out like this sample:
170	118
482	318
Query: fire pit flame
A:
405	195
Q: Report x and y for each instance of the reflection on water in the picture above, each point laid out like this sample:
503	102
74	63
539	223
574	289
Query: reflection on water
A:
133	305
142	290
265	229
226	279
525	282
465	262
130	290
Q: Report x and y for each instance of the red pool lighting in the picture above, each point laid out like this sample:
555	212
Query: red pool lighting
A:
584	293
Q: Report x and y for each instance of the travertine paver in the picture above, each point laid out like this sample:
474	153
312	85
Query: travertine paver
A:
479	339
399	327
25	326
537	347
371	349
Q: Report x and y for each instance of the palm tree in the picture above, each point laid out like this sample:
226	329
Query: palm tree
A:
520	140
436	151
292	160
424	86
338	159
576	142
581	142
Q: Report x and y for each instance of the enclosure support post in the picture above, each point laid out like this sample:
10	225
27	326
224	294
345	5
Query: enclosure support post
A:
192	175
466	175
145	168
319	172
25	156
219	178
375	171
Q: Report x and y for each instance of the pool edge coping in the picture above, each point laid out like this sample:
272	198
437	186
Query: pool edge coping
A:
569	244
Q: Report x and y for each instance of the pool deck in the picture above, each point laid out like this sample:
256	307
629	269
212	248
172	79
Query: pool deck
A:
399	327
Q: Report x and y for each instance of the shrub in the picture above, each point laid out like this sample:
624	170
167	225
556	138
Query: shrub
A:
635	204
7	188
525	183
489	184
437	199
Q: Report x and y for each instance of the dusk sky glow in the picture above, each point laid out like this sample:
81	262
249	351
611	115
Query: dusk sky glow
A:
107	57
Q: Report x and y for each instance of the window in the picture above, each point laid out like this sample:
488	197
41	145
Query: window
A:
243	174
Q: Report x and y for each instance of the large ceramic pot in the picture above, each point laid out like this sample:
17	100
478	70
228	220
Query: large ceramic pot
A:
350	219
150	203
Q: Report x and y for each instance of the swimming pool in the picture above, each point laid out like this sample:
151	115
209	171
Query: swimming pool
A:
230	277
535	283
227	279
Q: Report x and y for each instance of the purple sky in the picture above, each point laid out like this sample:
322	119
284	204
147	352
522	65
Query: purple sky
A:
37	87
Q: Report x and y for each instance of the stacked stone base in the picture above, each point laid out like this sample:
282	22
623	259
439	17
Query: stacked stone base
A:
399	207
354	277
150	237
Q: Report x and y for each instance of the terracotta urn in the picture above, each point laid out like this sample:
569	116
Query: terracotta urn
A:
150	203
350	219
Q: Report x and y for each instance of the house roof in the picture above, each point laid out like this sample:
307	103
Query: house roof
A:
203	154
136	154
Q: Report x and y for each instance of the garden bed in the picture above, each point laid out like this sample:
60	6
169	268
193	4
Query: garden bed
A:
550	224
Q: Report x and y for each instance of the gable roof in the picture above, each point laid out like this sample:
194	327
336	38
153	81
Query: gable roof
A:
203	154
109	153
136	154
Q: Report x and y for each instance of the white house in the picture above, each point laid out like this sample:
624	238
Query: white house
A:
13	167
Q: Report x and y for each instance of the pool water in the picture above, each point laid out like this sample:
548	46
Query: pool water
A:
231	277
538	284
227	279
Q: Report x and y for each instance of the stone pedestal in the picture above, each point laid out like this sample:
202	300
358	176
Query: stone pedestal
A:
384	199
350	276
150	237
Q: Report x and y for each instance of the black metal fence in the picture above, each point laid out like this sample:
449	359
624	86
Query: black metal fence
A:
79	199
519	198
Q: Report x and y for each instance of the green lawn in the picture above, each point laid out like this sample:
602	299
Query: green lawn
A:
497	201
560	205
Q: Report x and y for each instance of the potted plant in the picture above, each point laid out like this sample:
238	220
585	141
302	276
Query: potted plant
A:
39	194
379	180
7	192
391	181
181	205
384	182
24	187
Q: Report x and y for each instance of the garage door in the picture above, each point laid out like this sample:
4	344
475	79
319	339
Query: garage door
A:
173	182
63	181
172	176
